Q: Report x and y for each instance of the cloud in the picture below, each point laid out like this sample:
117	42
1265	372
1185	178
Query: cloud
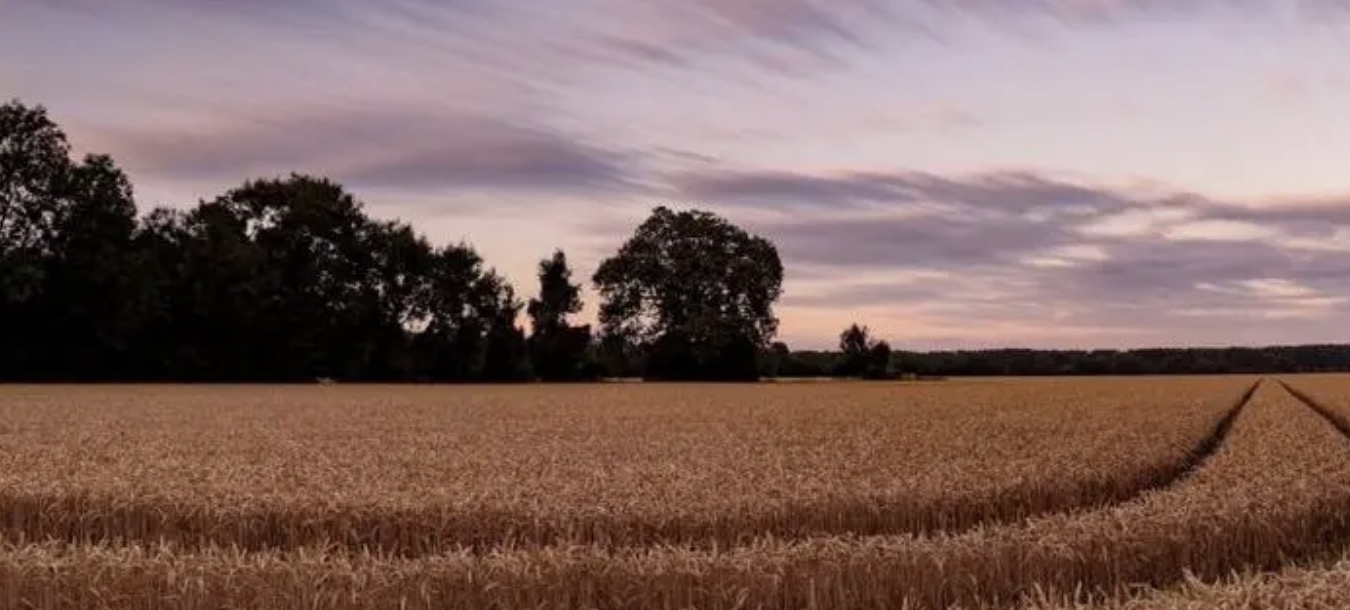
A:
789	23
562	42
285	13
790	187
940	117
558	41
736	39
375	148
778	36
1071	11
1218	229
501	100
1012	191
542	41
1005	246
1106	12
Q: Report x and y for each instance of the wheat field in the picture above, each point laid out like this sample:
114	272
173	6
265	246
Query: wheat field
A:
1050	493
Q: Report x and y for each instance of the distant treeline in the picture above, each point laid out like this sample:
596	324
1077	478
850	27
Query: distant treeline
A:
1024	362
288	279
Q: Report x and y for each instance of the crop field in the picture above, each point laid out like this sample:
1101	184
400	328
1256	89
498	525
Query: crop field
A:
1049	493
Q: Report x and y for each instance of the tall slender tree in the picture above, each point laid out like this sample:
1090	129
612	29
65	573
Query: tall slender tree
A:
558	350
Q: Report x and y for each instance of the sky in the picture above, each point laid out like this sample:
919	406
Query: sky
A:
951	173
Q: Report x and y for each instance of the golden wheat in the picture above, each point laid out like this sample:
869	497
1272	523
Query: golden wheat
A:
1307	587
1273	491
412	471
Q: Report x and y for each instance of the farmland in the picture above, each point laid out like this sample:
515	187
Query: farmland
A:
1312	587
833	495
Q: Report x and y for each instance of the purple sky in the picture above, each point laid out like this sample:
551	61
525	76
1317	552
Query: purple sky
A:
953	173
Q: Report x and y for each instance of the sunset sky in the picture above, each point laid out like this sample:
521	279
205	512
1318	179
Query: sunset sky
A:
953	173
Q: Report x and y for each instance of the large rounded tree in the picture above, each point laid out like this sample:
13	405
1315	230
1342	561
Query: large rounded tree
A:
696	292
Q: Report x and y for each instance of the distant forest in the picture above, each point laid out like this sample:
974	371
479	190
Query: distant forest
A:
289	280
1154	361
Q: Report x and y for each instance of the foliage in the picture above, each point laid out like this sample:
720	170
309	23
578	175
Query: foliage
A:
696	292
558	350
281	279
863	355
65	234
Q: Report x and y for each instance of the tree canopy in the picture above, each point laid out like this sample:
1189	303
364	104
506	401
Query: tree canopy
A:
65	232
559	351
863	355
696	292
278	279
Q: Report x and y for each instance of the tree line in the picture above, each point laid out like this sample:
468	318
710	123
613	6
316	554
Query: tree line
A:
1324	358
860	354
289	279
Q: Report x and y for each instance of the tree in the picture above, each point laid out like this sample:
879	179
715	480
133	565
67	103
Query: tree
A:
215	290
310	246
777	360
696	292
558	350
65	236
505	353
468	331
401	263
878	361
558	296
165	348
863	356
91	283
854	344
288	279
618	356
35	171
35	166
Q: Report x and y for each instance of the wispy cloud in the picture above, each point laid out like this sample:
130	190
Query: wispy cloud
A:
782	36
382	147
1021	245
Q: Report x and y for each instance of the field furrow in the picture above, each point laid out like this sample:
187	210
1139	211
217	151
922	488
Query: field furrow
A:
1335	415
609	467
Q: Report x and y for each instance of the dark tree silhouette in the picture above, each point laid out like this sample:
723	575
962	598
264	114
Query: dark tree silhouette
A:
853	346
65	240
505	352
280	279
696	292
558	350
470	315
776	360
91	284
35	174
619	356
878	361
311	240
862	355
